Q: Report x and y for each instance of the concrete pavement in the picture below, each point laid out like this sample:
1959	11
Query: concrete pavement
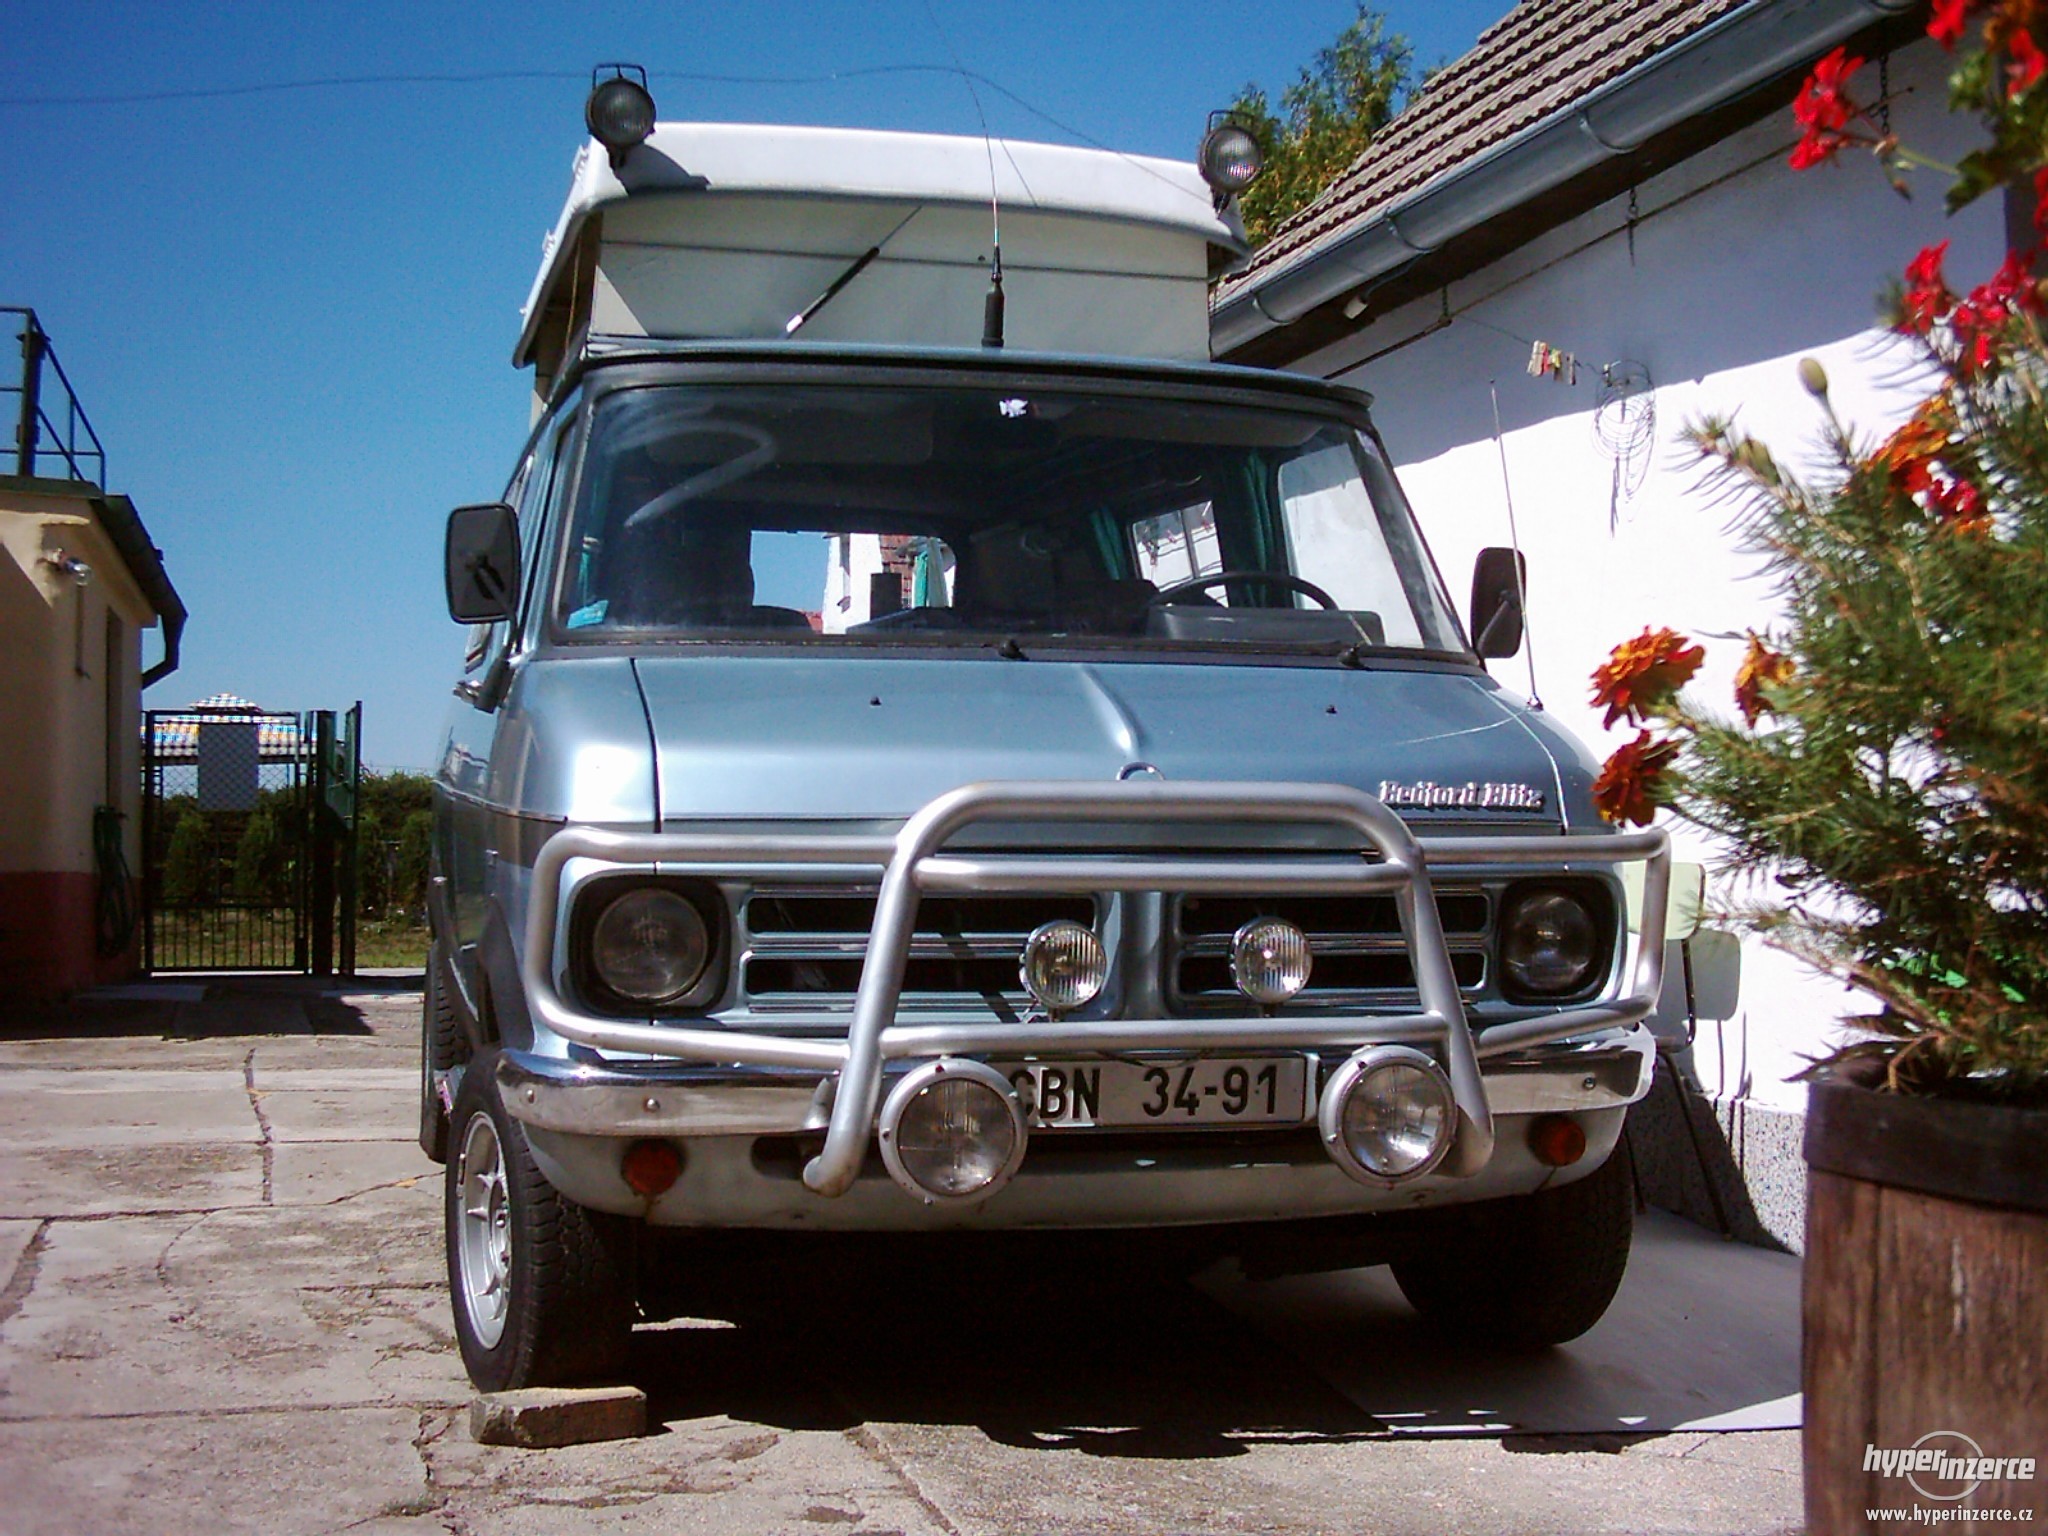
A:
222	1309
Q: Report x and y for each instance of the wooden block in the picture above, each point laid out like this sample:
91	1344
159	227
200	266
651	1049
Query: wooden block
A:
543	1417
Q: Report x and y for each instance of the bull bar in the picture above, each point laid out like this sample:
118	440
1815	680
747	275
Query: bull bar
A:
913	862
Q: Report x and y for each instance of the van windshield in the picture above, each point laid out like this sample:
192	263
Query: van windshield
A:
828	514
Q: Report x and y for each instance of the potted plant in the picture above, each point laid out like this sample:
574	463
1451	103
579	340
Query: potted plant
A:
1882	781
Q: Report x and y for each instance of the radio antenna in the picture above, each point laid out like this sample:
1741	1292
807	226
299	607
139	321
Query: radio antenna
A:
1507	492
992	306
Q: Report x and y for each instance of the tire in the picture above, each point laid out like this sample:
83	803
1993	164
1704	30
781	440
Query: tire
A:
1533	1271
542	1288
443	1047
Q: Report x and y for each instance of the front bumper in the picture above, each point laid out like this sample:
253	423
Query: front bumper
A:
750	1084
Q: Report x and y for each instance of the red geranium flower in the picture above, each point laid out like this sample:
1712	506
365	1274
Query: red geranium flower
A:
1958	503
1979	319
2025	64
1823	109
1946	25
1627	790
1927	297
1643	673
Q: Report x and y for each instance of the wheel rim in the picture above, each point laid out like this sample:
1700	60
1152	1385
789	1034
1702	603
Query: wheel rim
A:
484	1249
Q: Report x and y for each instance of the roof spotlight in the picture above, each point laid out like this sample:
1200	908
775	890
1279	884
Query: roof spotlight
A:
620	112
1230	158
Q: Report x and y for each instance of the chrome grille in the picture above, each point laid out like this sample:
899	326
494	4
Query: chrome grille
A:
802	947
1360	952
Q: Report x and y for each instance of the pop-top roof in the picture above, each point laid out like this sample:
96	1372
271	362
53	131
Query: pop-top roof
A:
719	229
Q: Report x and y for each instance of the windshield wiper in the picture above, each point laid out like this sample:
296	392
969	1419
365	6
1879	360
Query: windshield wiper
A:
860	264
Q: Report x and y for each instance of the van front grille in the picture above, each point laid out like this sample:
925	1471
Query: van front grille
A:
1360	952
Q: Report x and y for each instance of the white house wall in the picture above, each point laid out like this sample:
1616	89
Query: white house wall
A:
1729	286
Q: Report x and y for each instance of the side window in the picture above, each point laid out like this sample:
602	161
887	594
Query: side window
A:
536	513
1334	537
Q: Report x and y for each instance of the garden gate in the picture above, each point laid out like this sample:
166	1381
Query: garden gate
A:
248	838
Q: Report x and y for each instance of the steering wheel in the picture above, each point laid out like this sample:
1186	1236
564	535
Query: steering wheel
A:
1281	579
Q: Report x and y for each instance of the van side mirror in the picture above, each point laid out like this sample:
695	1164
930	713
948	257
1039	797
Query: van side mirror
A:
483	563
1499	578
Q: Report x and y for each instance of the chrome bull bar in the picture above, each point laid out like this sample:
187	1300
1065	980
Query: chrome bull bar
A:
912	863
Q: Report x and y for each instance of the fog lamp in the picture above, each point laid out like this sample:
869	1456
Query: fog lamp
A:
1387	1114
1230	158
620	112
1549	943
1064	965
1270	960
649	945
952	1131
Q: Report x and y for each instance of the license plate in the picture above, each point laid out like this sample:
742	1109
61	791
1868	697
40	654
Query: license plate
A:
1217	1090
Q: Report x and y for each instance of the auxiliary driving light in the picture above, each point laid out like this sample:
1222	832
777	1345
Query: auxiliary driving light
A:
620	112
952	1130
1230	158
1064	965
1387	1114
1270	960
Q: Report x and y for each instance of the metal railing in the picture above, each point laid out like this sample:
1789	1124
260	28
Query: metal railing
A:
913	863
36	431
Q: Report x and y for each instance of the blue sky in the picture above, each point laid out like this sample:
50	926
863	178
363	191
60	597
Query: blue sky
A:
289	314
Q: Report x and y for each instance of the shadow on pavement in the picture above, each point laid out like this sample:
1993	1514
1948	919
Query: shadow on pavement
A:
207	1007
1042	1342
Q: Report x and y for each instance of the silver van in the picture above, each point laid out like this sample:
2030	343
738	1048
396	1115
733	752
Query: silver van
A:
933	763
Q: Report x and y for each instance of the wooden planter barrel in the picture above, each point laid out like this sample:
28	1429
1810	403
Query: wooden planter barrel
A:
1925	1299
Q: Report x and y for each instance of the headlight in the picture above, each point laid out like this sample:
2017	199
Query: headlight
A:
649	945
952	1130
1549	942
1387	1114
1064	966
1270	960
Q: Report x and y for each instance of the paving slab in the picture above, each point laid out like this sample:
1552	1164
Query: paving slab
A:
327	1172
1704	1332
372	1112
40	1108
177	1472
92	1182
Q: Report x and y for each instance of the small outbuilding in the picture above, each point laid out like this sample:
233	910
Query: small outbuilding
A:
80	581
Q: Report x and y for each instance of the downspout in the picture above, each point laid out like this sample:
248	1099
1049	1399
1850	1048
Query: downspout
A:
145	563
1739	51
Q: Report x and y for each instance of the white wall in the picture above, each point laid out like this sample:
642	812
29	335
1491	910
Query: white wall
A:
1727	290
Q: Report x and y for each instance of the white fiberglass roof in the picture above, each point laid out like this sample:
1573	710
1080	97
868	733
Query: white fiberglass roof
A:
682	161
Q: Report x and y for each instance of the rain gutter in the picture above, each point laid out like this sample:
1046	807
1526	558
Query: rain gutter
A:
1729	56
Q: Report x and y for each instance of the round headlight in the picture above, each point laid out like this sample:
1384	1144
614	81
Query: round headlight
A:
952	1130
649	945
1387	1114
1549	943
1270	960
619	115
1064	965
1230	159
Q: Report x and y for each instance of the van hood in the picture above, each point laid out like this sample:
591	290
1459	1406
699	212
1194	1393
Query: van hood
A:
850	739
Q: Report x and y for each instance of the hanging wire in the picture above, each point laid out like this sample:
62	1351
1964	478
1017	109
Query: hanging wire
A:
1625	423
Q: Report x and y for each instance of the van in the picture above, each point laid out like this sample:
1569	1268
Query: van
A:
935	754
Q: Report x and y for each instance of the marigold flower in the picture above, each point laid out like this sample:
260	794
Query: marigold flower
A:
1907	453
1927	297
1628	789
1643	673
1823	110
2024	66
1761	668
